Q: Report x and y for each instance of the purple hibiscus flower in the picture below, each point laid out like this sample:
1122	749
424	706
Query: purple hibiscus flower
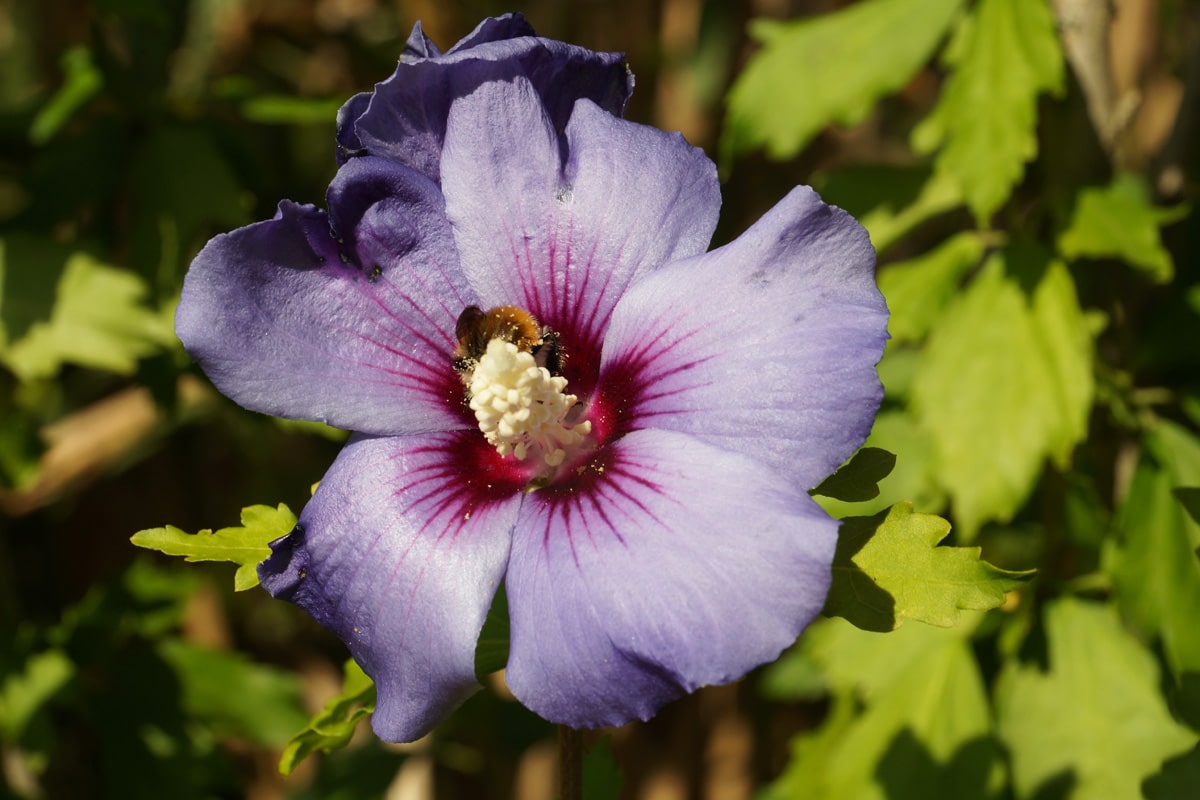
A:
553	385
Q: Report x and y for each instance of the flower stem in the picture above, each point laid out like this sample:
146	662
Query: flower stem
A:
570	763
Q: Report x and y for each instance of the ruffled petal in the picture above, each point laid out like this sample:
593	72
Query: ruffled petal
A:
400	553
665	566
565	239
765	347
406	117
287	320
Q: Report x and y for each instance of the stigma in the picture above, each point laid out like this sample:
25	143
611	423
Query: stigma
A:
521	408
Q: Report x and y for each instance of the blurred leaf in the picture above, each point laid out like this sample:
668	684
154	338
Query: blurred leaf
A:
491	649
1005	381
245	545
1002	57
811	72
30	269
601	775
925	728
1154	564
1096	713
1179	777
234	696
332	728
185	190
1190	498
81	82
888	225
858	479
917	290
1117	221
793	676
291	110
888	568
98	321
24	693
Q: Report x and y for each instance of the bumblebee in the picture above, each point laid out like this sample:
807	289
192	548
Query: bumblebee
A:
476	327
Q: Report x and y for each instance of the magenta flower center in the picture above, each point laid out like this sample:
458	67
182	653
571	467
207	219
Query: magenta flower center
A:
508	365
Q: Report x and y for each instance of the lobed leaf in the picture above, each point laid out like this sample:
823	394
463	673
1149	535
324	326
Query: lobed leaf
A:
918	289
1095	715
888	569
1154	565
1002	57
1005	381
332	728
1117	221
98	320
924	729
245	545
812	72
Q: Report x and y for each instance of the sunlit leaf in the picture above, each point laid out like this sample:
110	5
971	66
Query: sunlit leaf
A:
1095	713
1154	564
1117	221
233	695
918	289
828	69
858	479
924	730
24	693
332	728
245	545
1005	381
99	320
1001	58
888	568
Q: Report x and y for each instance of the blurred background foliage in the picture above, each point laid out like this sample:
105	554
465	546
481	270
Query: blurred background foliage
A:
1028	172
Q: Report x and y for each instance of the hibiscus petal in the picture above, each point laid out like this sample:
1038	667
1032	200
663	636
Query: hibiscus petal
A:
287	322
565	240
766	347
667	565
399	553
406	117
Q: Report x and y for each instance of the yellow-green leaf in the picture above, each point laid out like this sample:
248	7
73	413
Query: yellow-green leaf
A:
888	568
245	545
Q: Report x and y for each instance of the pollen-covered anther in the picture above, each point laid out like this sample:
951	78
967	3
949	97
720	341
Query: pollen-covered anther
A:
521	407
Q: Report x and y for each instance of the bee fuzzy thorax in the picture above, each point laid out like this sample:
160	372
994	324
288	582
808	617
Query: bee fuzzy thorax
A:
507	362
476	327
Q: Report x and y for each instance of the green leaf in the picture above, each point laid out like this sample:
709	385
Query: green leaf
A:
601	777
1001	58
1117	221
98	321
245	545
332	728
925	726
491	649
1179	777
1004	382
1154	565
888	568
811	72
1095	714
25	693
291	110
917	290
858	479
233	695
1189	496
81	82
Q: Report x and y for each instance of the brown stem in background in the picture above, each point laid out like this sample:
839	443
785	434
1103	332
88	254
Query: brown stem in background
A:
570	763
